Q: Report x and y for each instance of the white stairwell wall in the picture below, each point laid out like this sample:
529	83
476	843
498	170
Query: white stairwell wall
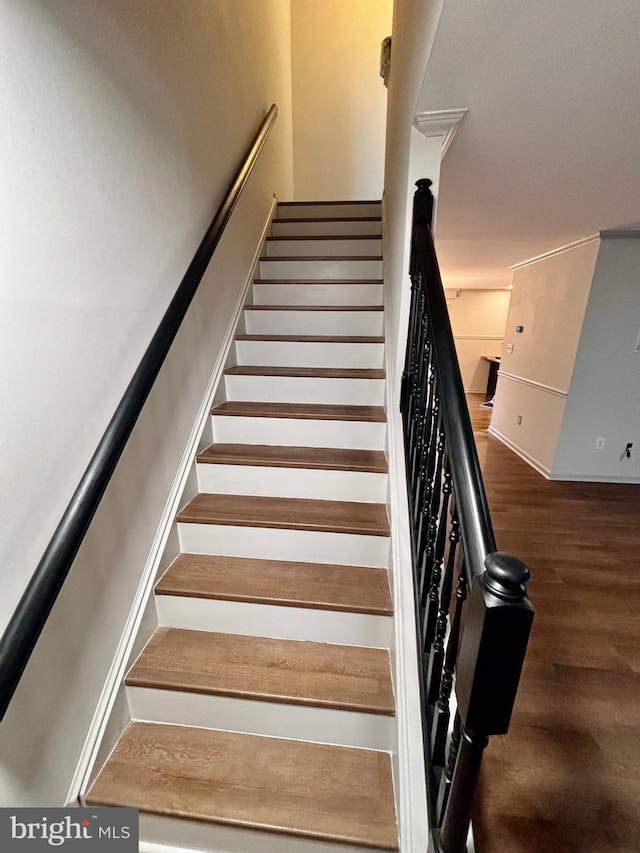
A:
102	225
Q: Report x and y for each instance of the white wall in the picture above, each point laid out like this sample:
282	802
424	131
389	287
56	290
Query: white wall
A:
604	395
408	156
548	300
339	100
478	319
122	124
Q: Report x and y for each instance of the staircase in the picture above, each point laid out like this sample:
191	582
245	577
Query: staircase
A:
262	708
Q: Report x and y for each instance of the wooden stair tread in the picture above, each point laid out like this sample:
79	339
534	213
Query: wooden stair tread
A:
324	236
329	219
350	678
283	456
328	201
302	411
319	586
322	258
315	339
310	372
313	307
306	789
305	281
368	519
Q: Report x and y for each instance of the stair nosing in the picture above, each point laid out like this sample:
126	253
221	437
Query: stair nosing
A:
301	464
308	412
308	237
310	281
377	374
328	202
264	258
314	339
366	308
194	513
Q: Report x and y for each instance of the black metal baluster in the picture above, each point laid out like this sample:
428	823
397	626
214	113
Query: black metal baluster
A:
419	415
431	542
442	710
428	498
429	415
441	618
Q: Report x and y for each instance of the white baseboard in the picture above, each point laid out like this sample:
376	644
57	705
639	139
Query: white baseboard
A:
564	476
539	467
119	664
572	477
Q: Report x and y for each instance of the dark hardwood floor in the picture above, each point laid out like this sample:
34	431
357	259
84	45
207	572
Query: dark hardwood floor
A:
567	776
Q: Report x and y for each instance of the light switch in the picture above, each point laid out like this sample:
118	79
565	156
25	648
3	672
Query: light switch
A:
509	347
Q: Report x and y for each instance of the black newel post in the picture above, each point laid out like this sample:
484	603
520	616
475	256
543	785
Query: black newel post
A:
494	643
423	203
422	214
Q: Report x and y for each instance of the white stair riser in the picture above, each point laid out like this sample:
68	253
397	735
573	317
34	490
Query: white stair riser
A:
274	620
334	246
269	481
313	322
338	268
269	543
174	835
317	294
326	228
303	389
272	719
299	433
328	209
308	354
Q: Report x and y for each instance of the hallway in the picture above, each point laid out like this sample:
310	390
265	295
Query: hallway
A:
567	776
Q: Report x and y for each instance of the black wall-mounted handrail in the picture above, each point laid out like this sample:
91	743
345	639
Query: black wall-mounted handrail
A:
33	609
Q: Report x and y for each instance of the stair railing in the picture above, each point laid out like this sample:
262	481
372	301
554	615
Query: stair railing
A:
30	616
473	616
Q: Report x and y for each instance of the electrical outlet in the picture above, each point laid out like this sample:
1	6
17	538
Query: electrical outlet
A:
600	442
509	348
519	419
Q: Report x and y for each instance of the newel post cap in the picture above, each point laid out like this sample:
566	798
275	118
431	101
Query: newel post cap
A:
505	576
423	202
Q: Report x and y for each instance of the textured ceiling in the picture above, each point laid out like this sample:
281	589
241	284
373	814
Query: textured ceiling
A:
549	150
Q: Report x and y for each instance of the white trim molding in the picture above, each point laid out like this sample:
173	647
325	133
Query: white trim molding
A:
583	241
520	452
531	382
440	123
478	337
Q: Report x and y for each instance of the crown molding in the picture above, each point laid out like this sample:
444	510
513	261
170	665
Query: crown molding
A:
440	123
559	251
